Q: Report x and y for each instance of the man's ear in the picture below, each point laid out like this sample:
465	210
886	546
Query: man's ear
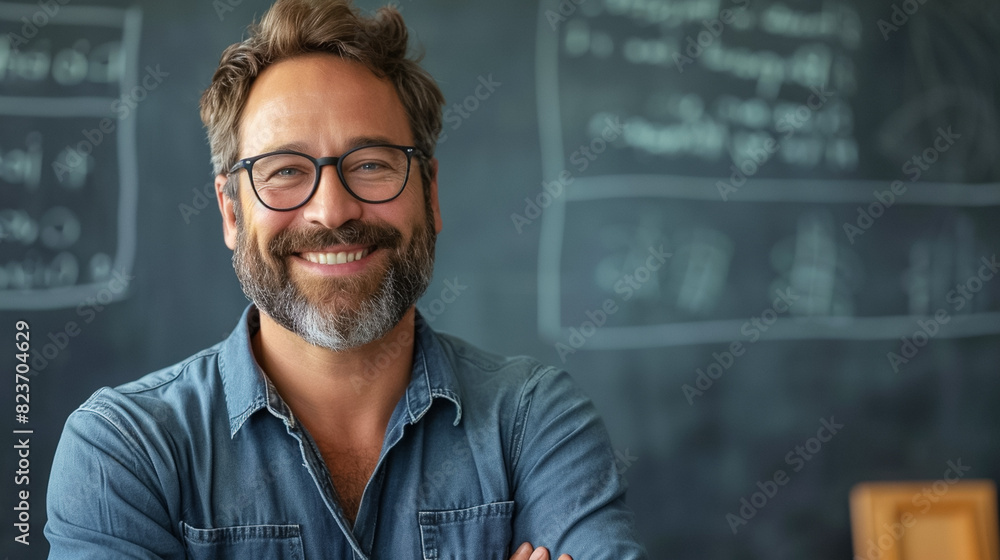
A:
226	209
434	195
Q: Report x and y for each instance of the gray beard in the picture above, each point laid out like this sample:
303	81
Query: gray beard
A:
334	329
343	317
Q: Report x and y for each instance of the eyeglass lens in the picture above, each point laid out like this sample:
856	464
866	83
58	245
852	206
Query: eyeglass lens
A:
373	173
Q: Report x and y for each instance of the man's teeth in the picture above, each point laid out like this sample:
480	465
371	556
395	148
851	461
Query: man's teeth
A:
335	258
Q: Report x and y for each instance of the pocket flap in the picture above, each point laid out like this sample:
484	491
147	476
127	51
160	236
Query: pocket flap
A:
281	542
481	532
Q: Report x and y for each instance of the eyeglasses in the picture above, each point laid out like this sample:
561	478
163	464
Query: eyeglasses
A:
286	180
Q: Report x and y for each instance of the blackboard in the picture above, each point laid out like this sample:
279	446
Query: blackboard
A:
760	234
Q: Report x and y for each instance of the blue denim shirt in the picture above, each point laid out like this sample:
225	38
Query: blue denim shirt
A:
203	460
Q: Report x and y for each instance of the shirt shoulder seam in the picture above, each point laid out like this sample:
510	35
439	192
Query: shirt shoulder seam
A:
178	369
98	406
524	401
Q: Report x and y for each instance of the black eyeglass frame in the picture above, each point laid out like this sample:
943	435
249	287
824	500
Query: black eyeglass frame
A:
319	163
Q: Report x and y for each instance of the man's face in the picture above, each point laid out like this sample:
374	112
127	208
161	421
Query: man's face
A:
321	105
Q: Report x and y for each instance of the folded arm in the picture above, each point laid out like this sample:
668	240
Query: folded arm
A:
104	496
569	491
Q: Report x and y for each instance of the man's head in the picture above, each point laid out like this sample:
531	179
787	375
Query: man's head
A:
317	78
296	27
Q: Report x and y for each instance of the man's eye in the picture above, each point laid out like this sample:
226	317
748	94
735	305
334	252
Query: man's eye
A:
371	166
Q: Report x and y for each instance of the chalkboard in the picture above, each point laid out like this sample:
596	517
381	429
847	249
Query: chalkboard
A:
761	234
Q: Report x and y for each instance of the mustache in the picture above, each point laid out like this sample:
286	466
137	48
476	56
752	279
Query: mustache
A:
354	232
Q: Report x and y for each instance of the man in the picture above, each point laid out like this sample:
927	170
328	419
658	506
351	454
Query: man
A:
333	423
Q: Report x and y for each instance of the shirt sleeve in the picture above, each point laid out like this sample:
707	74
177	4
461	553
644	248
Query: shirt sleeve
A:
569	493
104	498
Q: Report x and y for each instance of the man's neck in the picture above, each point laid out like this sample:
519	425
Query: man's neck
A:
341	397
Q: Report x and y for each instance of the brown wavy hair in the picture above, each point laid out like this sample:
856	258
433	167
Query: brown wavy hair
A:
296	27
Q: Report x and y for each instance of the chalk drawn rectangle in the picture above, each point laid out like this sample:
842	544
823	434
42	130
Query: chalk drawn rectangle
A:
962	212
85	101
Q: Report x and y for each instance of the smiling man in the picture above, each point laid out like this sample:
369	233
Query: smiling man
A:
333	423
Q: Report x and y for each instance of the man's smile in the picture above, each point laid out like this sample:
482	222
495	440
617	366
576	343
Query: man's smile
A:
336	257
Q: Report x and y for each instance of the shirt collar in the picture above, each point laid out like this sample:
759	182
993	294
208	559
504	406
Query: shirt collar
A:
247	389
243	381
433	375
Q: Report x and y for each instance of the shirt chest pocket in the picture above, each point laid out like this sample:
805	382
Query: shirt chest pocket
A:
274	542
481	532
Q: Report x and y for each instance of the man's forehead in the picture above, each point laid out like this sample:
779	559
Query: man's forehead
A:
293	100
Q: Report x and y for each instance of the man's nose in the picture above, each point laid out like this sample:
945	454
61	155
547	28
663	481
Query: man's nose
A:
331	205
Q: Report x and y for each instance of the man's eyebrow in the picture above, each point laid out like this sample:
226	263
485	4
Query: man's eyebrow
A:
354	142
368	141
288	146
